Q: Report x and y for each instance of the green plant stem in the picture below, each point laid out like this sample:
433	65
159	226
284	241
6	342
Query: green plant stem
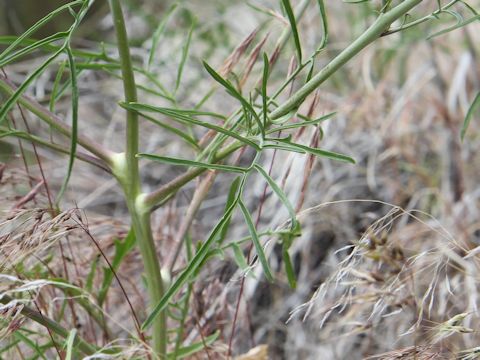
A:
379	27
130	91
140	217
129	178
55	122
55	327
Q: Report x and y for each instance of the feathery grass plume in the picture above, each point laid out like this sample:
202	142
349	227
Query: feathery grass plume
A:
449	327
10	319
469	354
24	232
410	353
396	281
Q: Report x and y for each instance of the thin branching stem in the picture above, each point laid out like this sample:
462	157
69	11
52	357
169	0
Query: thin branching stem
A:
130	91
375	31
156	198
128	175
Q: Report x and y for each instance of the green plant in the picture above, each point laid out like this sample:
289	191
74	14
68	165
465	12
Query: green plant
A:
258	124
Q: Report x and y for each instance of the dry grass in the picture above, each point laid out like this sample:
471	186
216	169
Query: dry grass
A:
387	264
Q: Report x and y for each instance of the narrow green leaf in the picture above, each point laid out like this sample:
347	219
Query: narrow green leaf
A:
81	298
311	70
323	15
122	248
454	14
471	8
256	241
69	344
307	122
454	27
184	162
4	132
233	92
74	127
266	73
185	119
173	316
232	196
189	350
56	84
283	144
67	83
355	1
32	345
37	26
9	39
8	346
468	117
158	33
91	275
109	69
248	238
199	113
33	47
287	240
284	118
21	89
182	134
293	25
195	262
284	147
289	270
183	59
184	308
224	82
239	257
281	195
295	226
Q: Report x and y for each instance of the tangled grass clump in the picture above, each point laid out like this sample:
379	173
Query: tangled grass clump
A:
406	281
